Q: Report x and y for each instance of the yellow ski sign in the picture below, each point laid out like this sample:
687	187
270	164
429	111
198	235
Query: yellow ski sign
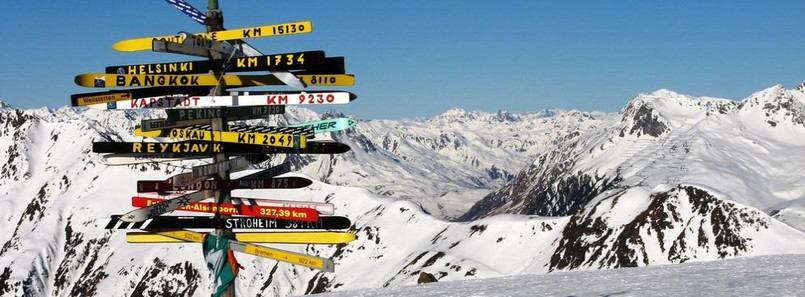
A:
284	256
98	99
181	235
101	80
141	44
314	262
267	139
255	237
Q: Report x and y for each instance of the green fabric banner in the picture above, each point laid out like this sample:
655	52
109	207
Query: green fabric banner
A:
221	262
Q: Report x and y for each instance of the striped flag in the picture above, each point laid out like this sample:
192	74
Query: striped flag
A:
191	11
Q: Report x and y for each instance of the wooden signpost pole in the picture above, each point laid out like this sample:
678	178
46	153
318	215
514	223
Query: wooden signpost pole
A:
215	22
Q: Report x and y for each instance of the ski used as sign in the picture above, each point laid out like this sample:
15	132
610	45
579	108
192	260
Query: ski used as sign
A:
271	171
315	237
231	165
140	44
270	253
235	113
144	186
202	116
195	148
134	159
144	213
246	99
307	132
203	172
256	250
102	80
321	207
195	46
208	222
328	125
287	213
148	125
164	46
102	98
263	139
309	60
319	263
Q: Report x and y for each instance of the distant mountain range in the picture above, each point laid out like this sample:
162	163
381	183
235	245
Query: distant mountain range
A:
669	179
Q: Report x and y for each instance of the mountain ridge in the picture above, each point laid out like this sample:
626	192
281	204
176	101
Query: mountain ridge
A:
655	194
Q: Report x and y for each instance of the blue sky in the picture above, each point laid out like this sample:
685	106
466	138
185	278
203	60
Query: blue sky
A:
419	58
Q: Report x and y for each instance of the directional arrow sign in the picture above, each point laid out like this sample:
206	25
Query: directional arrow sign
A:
270	253
306	131
134	159
262	139
159	124
139	44
246	99
312	60
271	172
209	222
154	210
102	80
254	183
230	113
322	264
321	207
315	237
194	46
231	165
101	98
289	213
203	172
329	125
196	148
163	46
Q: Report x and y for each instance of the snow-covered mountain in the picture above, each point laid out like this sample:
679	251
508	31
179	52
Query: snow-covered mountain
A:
749	151
447	162
671	179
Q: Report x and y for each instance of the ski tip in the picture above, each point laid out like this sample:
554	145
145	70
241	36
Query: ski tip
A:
90	80
79	79
129	217
121	46
352	96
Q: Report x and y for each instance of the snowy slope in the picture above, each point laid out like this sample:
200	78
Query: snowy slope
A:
398	244
756	276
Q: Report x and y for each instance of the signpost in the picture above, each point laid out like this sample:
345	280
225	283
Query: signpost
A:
193	94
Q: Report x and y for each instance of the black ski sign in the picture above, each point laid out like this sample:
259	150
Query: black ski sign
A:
234	164
284	61
202	222
235	113
199	147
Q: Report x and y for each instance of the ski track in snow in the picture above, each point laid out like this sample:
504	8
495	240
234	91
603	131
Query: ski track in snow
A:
779	275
